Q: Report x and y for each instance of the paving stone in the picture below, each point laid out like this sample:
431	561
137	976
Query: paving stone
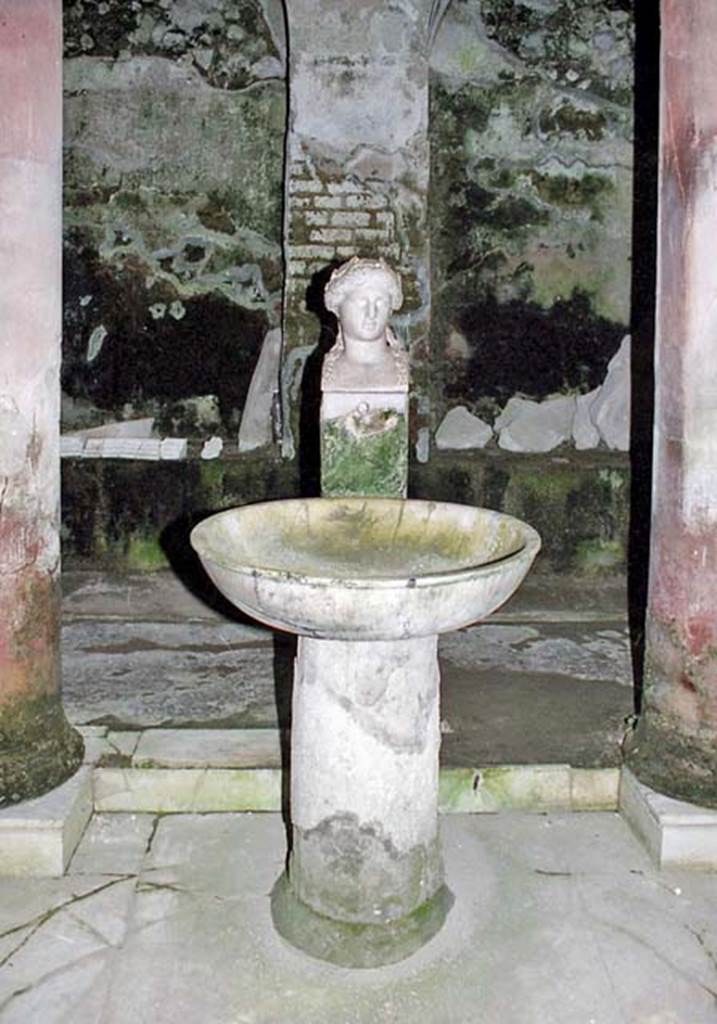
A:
123	743
60	964
144	674
113	844
594	789
211	748
557	918
580	651
508	787
187	790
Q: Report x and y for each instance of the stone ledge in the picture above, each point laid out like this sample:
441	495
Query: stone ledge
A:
676	833
205	770
38	837
206	790
187	790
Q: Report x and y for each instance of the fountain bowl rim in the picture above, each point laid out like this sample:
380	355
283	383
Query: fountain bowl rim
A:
528	549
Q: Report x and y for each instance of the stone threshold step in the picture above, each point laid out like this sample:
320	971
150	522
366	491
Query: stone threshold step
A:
205	790
203	770
173	771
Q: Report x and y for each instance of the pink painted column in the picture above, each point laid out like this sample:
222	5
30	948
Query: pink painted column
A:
675	747
38	749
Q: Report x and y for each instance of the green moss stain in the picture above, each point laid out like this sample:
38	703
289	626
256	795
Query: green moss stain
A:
145	554
38	748
600	557
375	464
348	944
578	502
505	787
531	189
568	190
589	124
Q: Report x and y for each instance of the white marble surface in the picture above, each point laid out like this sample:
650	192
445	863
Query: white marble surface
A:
676	833
460	429
38	837
527	426
220	748
559	919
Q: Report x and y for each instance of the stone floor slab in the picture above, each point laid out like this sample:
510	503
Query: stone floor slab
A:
216	748
113	844
558	918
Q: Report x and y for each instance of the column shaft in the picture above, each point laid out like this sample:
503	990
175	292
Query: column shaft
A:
357	168
364	779
37	748
675	749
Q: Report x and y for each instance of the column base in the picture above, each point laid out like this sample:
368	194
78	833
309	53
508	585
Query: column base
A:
44	750
348	944
682	767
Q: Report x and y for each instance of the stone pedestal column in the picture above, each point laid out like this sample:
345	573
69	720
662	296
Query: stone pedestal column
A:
675	748
357	167
365	881
38	749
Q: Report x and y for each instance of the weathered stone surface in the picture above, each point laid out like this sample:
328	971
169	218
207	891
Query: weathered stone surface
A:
578	501
180	244
526	426
228	42
530	197
257	422
585	433
216	748
357	167
38	749
39	836
212	448
460	429
137	515
610	411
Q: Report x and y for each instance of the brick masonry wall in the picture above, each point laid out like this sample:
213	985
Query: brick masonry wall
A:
329	222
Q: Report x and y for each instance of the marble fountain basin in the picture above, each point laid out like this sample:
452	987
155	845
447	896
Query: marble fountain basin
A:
364	884
365	568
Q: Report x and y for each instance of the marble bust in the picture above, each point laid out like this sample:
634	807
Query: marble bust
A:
367	356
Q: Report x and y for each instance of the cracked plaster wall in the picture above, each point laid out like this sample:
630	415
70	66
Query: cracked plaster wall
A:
531	193
175	120
174	135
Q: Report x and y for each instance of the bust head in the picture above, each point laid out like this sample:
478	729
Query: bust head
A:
363	293
361	277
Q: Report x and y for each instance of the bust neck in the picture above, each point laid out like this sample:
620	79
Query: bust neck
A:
366	353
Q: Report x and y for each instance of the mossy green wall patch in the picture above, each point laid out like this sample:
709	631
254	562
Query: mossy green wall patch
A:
579	503
531	193
174	261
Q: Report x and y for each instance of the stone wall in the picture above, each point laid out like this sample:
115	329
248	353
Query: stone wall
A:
531	175
175	131
174	135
